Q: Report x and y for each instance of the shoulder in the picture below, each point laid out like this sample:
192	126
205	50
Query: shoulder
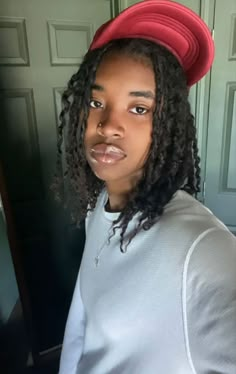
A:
189	217
209	301
211	261
187	208
212	246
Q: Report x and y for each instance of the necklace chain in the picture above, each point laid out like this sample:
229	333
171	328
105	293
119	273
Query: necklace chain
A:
97	258
98	255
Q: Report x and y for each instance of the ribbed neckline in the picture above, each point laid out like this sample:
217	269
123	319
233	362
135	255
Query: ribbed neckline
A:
110	216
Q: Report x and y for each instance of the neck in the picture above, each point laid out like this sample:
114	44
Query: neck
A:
116	203
119	193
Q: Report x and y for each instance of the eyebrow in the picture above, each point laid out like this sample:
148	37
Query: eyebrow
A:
97	87
146	94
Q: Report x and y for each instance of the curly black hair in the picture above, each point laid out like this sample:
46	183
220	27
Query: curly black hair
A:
173	161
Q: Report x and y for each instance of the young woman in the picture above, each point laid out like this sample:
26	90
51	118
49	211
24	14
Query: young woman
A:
156	291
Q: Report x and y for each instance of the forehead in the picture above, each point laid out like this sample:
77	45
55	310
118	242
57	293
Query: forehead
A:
122	67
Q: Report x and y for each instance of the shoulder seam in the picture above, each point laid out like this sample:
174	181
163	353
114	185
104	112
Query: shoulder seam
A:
184	291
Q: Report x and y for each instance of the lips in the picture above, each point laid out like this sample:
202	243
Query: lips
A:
107	153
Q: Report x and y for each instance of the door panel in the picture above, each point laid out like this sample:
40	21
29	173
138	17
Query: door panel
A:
41	46
220	193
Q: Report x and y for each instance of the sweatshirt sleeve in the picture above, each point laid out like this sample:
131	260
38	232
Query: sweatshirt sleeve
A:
209	303
74	334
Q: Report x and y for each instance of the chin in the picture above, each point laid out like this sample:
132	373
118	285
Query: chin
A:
107	177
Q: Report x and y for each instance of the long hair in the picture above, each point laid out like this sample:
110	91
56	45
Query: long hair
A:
173	161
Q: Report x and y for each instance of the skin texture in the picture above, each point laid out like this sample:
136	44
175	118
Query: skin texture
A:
122	102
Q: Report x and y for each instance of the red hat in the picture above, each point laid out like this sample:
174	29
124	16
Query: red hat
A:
170	24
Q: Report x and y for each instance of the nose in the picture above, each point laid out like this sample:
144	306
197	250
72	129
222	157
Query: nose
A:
111	126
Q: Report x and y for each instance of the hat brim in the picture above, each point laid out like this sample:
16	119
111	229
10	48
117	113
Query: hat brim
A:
167	23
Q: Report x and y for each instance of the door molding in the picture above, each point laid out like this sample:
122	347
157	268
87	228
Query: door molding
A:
207	13
115	8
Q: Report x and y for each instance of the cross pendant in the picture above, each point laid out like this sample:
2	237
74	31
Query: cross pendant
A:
96	260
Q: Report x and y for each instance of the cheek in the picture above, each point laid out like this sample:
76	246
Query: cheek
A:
146	150
141	144
144	139
89	131
94	117
146	143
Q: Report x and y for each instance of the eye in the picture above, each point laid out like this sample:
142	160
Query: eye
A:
95	104
139	110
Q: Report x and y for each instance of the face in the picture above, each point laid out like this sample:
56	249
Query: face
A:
119	127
